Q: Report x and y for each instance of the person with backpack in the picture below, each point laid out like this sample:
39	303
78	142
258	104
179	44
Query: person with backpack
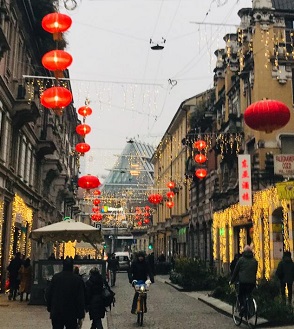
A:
94	298
285	273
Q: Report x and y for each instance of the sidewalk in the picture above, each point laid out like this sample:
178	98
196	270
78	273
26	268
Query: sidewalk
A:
217	304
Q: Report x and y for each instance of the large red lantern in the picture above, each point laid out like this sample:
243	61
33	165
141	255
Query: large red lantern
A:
267	115
201	173
57	60
56	24
200	145
82	147
88	182
171	184
83	129
56	98
200	158
85	111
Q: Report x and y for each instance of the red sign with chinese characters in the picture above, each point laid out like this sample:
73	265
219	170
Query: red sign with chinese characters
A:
245	190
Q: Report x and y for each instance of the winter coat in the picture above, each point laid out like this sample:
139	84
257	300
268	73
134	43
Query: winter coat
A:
245	269
13	269
113	264
66	296
94	300
25	274
140	271
285	270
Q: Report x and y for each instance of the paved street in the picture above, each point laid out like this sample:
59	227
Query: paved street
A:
168	308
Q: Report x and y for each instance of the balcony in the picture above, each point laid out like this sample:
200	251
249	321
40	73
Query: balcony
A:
47	144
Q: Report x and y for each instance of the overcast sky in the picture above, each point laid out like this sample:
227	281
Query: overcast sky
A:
135	91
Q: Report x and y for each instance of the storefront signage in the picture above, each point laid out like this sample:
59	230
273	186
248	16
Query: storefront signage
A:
284	164
245	190
285	190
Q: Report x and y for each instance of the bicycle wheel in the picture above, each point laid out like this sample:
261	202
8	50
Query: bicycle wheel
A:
251	312
140	313
236	313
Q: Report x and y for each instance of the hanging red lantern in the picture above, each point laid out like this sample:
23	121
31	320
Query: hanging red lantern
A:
56	24
95	209
58	61
56	98
82	147
200	145
97	192
83	129
146	221
200	158
147	208
94	217
170	204
171	184
137	217
170	194
140	223
146	214
85	111
155	198
88	182
201	173
96	202
267	115
99	216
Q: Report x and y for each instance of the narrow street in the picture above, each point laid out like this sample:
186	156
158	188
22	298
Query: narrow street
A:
167	309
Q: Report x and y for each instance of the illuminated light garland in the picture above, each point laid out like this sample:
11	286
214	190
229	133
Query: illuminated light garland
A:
242	240
286	237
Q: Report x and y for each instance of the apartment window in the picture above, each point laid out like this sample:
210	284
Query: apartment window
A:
33	173
28	163
22	157
5	134
287	144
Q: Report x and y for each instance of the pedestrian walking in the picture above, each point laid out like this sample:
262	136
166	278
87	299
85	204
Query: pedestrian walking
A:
13	269
151	263
25	273
66	298
94	299
285	274
112	267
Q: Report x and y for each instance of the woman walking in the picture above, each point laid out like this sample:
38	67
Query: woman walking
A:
25	273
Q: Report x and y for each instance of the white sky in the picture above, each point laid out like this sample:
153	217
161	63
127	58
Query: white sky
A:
127	82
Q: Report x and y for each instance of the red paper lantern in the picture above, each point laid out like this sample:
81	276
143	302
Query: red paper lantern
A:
146	221
139	223
85	111
200	158
147	208
96	202
200	145
95	209
56	24
146	214
83	129
267	115
88	182
170	194
171	184
201	173
94	217
82	147
155	198
56	98
170	204
97	192
57	60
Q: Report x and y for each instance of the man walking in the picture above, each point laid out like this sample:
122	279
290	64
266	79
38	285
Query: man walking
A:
285	273
13	269
66	298
112	267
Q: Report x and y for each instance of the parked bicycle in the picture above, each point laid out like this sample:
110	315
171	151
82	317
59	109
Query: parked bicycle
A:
249	312
141	288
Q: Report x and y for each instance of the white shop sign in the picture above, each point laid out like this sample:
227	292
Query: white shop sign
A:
284	164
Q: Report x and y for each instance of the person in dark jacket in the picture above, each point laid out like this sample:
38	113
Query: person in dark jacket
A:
285	273
112	266
66	298
245	273
94	299
13	269
234	262
139	271
151	263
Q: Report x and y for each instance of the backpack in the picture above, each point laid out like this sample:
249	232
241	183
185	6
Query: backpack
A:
108	296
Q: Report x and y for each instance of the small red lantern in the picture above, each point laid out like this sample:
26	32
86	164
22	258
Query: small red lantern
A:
94	217
96	202
201	173
170	204
146	221
97	192
56	98
95	209
57	60
56	24
85	111
267	115
146	214
82	147
171	184
200	145
88	182
170	194
140	223
200	158
99	216
137	217
83	129
155	198
147	208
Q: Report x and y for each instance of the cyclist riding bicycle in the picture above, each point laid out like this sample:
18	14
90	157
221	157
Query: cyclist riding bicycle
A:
139	271
245	274
112	267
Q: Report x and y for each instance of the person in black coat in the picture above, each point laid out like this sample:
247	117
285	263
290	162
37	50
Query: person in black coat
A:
94	299
66	298
285	273
139	271
13	269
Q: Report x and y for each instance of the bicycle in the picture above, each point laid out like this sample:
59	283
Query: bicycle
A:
249	312
141	288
